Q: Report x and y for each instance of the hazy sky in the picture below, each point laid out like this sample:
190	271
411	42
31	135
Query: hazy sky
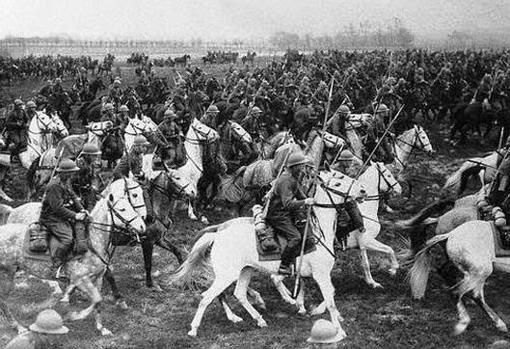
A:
218	19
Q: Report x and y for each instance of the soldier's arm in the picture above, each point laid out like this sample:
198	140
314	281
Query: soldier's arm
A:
288	197
54	197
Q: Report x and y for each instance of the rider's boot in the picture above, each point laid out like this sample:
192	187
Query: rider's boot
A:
58	259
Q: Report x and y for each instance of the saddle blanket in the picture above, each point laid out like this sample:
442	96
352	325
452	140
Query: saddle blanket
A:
277	255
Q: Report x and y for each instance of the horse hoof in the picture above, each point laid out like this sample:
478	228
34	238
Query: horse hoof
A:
302	312
106	332
261	323
501	326
192	333
459	329
236	319
122	305
375	285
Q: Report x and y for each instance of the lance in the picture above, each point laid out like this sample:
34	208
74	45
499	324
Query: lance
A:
380	141
309	209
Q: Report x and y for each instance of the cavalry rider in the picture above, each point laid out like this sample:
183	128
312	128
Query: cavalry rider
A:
385	150
123	116
16	125
88	180
108	114
305	93
483	91
31	110
210	117
61	209
115	92
82	84
284	206
133	161
47	89
57	87
238	93
170	149
251	90
252	123
262	94
338	121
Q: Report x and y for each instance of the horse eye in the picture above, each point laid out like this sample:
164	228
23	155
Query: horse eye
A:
122	210
135	195
338	184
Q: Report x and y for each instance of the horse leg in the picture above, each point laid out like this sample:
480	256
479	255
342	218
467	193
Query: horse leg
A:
230	314
85	285
365	263
99	323
323	279
240	293
147	248
284	292
257	299
374	245
119	299
191	212
300	300
464	318
179	253
220	283
6	286
479	297
3	172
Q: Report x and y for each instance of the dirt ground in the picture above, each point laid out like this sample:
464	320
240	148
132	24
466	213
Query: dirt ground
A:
386	318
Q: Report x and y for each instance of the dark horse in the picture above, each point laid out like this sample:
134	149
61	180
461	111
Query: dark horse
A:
470	116
182	60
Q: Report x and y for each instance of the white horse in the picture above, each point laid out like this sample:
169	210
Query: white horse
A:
114	211
197	134
234	254
471	248
137	127
414	138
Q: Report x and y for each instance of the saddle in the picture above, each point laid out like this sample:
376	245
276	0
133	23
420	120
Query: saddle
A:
270	245
500	229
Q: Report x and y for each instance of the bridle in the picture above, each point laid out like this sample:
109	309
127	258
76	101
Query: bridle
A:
170	194
382	175
417	144
127	190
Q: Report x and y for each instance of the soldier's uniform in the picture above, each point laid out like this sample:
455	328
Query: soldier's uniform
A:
115	93
170	149
251	123
87	183
16	125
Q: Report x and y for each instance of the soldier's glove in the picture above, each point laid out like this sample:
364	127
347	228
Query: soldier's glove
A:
309	201
80	216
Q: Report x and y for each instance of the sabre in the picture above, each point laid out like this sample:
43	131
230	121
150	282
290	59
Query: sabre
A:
379	142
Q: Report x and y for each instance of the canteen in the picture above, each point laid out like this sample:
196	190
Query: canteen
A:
482	203
496	209
500	222
499	214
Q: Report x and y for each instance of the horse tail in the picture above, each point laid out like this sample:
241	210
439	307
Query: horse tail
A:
458	180
197	262
419	273
425	213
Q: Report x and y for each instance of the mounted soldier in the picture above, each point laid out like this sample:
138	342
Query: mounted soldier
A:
384	152
88	183
252	123
170	148
31	110
287	202
47	89
210	117
16	125
337	123
61	211
115	92
132	161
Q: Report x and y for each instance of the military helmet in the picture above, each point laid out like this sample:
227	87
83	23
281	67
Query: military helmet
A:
83	69
324	332
382	108
108	107
297	158
140	141
90	149
241	82
49	321
253	81
31	104
116	82
18	101
256	110
169	113
123	108
67	165
344	109
58	80
212	109
346	155
264	83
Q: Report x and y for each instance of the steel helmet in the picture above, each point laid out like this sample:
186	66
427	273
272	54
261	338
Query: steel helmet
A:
382	108
169	113
241	82
116	82
212	109
108	107
140	140
346	155
58	80
296	158
323	331
90	149
49	321
18	102
264	83
67	165
123	108
83	69
31	104
344	109
253	81
256	110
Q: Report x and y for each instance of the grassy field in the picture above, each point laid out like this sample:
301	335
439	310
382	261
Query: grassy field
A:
386	318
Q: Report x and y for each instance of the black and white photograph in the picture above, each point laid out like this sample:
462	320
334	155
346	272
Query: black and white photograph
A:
269	174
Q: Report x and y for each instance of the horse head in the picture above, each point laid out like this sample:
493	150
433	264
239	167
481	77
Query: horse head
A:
61	130
386	180
200	132
179	185
123	214
422	140
99	128
42	123
134	193
338	187
240	133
